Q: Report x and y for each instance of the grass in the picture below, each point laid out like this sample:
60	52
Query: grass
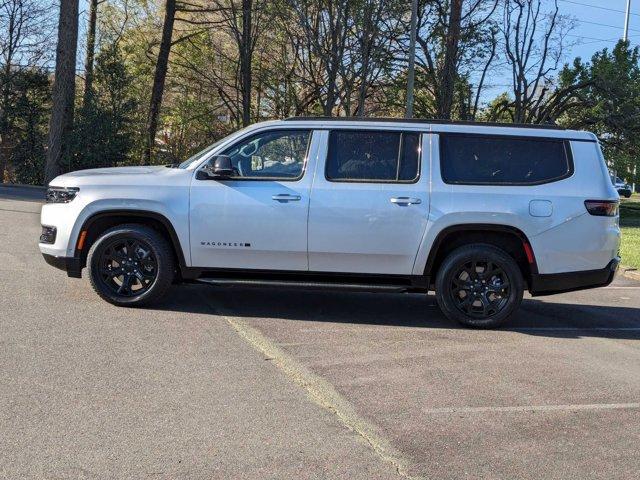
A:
630	226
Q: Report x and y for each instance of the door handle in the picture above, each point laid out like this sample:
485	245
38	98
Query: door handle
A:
285	197
405	200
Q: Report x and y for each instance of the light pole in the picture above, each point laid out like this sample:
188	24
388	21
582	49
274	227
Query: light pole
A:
626	22
411	73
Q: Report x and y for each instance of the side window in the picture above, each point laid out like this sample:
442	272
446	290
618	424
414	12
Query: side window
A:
493	160
373	156
273	155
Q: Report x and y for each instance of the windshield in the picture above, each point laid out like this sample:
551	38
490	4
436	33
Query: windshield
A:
202	153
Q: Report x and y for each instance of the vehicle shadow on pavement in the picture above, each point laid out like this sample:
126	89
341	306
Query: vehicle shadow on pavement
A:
535	317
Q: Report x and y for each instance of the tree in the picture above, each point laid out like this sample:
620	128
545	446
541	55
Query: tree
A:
24	34
533	44
609	103
372	49
457	43
159	78
32	93
444	101
104	134
90	53
61	123
320	40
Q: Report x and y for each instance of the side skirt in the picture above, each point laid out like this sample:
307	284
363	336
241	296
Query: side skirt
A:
313	280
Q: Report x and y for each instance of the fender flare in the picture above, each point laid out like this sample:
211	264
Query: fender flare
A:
487	227
134	213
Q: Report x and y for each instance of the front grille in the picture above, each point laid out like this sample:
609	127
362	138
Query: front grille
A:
48	234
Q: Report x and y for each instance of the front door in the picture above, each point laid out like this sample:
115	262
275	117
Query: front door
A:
370	202
257	219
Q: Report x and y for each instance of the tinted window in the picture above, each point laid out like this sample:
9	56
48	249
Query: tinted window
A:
373	156
276	155
476	159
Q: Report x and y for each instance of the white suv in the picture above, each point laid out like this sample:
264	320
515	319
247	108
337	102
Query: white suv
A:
476	212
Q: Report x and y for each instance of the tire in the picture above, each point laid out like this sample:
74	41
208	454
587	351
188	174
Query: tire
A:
462	296
627	194
148	272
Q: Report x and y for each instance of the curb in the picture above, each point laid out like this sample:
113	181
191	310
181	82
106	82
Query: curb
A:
20	185
630	272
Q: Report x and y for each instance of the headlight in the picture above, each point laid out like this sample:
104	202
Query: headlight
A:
61	194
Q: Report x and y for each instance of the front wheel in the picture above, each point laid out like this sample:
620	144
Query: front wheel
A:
131	265
479	286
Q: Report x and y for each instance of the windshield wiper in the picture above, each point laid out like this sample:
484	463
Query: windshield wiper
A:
172	165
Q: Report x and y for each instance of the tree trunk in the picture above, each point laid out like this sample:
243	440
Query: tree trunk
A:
159	78
449	74
5	124
245	61
334	54
61	122
91	45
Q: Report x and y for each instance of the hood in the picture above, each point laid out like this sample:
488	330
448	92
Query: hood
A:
114	175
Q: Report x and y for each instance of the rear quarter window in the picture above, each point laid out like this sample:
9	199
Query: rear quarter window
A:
502	160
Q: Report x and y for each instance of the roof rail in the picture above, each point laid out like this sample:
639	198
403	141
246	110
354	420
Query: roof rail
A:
425	120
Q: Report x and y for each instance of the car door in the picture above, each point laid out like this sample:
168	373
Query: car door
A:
257	219
370	202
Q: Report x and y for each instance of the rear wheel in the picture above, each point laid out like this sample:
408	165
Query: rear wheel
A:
479	286
131	265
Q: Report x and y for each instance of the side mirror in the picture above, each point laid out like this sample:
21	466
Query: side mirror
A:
217	167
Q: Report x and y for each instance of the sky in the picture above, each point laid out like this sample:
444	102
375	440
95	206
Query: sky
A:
600	24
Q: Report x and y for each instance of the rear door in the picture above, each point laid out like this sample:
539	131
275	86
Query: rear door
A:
370	201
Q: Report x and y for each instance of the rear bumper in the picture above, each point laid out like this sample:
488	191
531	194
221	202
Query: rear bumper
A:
71	265
549	284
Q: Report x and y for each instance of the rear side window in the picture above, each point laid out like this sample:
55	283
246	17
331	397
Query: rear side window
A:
499	160
373	156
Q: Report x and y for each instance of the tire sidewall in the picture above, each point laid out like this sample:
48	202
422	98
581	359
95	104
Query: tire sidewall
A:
158	247
481	253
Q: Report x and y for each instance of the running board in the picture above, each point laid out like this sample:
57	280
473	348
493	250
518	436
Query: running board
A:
353	287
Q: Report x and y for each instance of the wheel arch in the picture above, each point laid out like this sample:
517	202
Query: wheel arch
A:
506	237
99	222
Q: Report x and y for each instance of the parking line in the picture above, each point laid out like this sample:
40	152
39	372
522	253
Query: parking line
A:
533	408
321	392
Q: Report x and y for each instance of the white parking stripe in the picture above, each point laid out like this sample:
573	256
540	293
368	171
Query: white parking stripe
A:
325	395
534	408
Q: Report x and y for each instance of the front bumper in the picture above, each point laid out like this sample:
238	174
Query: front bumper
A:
549	284
71	265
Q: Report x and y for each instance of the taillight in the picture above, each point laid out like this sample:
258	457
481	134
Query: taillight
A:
602	208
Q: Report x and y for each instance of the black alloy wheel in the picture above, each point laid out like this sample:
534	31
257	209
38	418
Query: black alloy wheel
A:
479	285
128	267
131	265
480	288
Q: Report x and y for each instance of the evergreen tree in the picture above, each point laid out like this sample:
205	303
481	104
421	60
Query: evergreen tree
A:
105	130
610	104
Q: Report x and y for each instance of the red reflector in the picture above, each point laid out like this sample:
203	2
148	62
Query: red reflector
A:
528	252
602	208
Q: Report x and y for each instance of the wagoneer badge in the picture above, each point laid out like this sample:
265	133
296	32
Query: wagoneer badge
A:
225	244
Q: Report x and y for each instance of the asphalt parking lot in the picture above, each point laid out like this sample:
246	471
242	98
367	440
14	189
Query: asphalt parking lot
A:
246	383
